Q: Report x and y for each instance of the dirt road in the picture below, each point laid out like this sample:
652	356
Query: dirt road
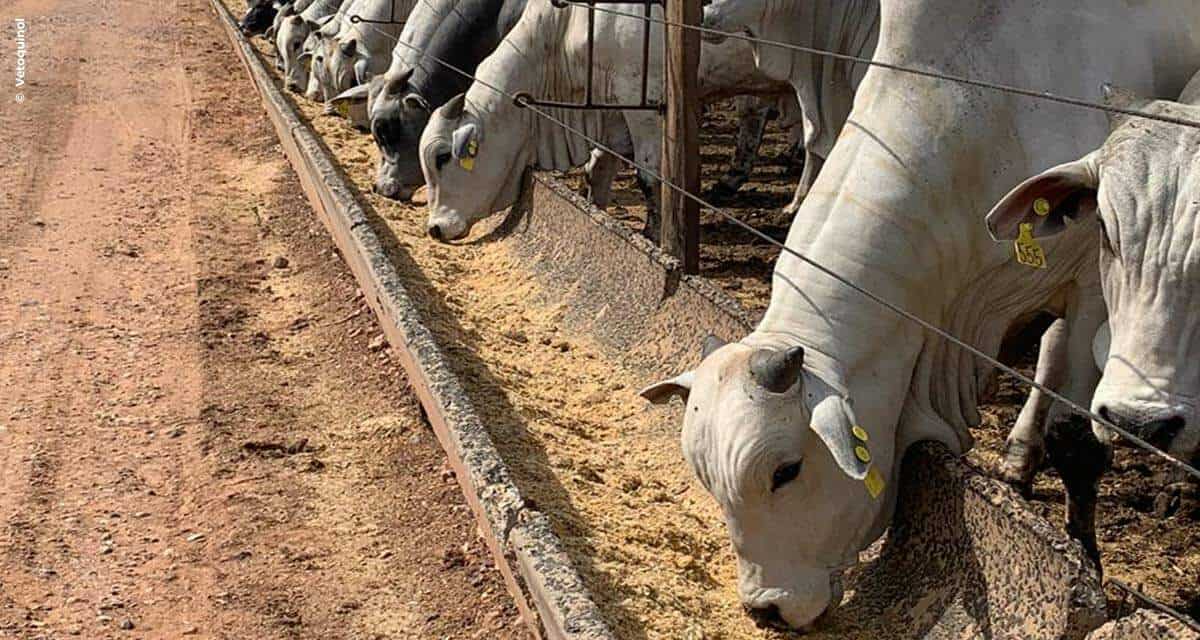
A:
201	434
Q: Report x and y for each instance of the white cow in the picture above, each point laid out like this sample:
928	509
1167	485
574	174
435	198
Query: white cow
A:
492	141
1143	185
798	429
824	86
292	35
362	50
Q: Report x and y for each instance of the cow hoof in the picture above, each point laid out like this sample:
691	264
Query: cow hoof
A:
722	191
1176	498
1020	465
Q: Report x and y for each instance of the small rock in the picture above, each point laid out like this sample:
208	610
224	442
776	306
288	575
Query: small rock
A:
195	537
190	631
280	262
377	343
127	624
420	197
516	336
563	346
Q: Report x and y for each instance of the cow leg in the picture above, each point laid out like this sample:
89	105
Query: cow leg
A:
601	170
1080	460
1026	446
1073	449
793	158
603	167
1180	491
812	167
645	129
752	114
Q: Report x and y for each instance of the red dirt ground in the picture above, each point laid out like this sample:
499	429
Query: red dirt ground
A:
201	434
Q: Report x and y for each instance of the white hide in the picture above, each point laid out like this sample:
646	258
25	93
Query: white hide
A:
1144	185
544	55
362	50
824	86
897	209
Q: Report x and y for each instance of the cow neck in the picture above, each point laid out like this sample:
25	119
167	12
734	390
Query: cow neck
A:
464	38
559	76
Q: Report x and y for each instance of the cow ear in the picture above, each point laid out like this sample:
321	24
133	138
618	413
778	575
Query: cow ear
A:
834	423
1102	345
415	101
362	73
352	95
662	392
465	143
398	83
349	47
454	109
287	11
1045	201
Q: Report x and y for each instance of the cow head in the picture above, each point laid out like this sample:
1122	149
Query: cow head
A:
398	117
472	169
780	450
346	64
1143	186
290	41
260	15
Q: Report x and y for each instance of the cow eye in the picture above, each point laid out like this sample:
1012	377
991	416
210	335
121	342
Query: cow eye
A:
442	159
784	474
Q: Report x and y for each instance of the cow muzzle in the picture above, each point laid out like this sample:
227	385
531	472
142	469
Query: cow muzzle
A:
1157	427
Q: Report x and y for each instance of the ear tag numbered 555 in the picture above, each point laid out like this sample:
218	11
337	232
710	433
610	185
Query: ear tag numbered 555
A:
1029	252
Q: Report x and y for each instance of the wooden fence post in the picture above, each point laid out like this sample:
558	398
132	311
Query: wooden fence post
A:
681	135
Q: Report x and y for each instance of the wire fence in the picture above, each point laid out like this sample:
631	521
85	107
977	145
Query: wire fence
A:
524	101
879	299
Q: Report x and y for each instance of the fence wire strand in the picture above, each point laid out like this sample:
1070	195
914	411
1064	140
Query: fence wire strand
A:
874	297
937	75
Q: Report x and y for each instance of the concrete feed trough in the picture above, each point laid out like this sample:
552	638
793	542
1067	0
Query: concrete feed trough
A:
964	558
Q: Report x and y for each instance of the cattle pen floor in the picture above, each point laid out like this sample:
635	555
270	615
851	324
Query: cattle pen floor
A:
589	454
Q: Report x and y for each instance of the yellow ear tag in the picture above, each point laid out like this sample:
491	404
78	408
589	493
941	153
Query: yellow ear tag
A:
1029	252
874	482
1041	206
862	454
343	108
860	433
468	162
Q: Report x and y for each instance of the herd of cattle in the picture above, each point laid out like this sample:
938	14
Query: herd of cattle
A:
798	428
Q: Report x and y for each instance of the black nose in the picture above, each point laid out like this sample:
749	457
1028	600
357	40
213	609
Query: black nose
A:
1157	431
435	232
767	617
1160	433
